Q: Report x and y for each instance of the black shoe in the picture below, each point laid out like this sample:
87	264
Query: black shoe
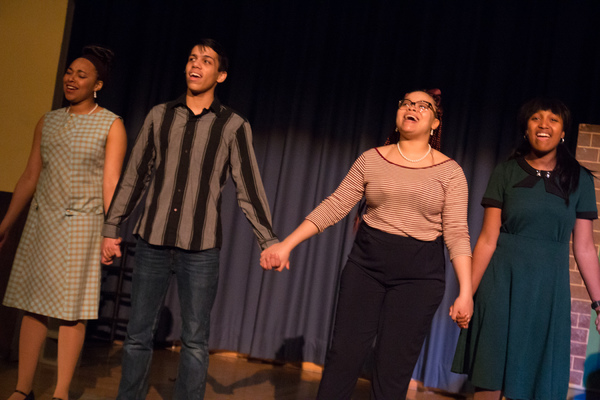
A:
29	396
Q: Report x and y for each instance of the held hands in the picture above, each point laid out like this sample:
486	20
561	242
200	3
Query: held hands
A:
110	250
276	257
461	311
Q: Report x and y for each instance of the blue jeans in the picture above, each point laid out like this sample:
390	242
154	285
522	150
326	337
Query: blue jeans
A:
197	274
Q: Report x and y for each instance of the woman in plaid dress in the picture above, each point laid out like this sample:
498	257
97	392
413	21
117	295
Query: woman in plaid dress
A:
71	174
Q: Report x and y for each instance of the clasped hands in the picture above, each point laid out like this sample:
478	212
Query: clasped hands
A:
275	258
110	249
461	311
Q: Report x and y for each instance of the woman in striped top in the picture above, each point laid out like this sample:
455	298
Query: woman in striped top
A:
393	281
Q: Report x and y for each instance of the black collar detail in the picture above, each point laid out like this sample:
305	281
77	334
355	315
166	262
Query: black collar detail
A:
534	176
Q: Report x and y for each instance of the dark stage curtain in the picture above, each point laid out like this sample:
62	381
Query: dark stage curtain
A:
320	82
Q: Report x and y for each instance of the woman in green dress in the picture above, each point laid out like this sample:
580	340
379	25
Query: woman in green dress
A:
518	341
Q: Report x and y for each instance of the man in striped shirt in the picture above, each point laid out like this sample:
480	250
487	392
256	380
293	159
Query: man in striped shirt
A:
182	158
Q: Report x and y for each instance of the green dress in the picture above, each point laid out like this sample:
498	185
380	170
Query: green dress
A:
519	337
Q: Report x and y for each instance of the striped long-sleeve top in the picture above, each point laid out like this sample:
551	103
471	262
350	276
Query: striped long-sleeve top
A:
183	160
422	203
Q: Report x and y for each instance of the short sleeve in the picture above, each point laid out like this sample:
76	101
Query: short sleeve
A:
494	193
586	202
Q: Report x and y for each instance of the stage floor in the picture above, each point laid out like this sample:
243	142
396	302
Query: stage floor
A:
229	377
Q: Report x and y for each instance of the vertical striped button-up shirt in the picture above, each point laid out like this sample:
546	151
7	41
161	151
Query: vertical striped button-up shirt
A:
183	160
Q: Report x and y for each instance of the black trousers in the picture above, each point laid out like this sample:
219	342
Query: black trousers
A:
390	289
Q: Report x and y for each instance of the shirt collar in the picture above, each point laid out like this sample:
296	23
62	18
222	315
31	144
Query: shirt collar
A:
215	107
534	176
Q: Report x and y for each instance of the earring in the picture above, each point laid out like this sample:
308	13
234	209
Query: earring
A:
396	130
95	94
562	140
431	134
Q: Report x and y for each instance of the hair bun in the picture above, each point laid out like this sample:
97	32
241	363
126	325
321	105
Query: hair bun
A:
102	53
102	59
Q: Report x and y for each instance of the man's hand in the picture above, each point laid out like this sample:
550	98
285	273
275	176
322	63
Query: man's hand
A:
111	249
276	257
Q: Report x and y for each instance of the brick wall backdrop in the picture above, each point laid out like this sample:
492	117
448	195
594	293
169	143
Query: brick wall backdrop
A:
588	154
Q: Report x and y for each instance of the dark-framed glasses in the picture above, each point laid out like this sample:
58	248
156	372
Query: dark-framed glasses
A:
420	105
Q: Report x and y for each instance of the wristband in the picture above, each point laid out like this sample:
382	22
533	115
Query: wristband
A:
595	304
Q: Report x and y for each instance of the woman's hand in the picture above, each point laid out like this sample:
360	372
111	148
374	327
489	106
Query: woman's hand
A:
110	249
276	257
461	311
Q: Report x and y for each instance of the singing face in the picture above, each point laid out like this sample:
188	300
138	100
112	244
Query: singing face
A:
80	81
416	114
544	131
202	70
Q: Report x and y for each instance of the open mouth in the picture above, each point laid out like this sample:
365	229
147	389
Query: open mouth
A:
542	135
194	75
411	118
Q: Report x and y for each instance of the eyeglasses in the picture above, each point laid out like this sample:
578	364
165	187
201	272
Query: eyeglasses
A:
421	105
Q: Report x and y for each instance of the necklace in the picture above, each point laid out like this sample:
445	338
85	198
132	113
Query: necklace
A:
539	173
93	109
408	159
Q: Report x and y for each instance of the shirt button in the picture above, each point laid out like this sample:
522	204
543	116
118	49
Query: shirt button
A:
175	210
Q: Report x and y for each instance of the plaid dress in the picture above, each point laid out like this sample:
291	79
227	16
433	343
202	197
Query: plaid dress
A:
56	271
